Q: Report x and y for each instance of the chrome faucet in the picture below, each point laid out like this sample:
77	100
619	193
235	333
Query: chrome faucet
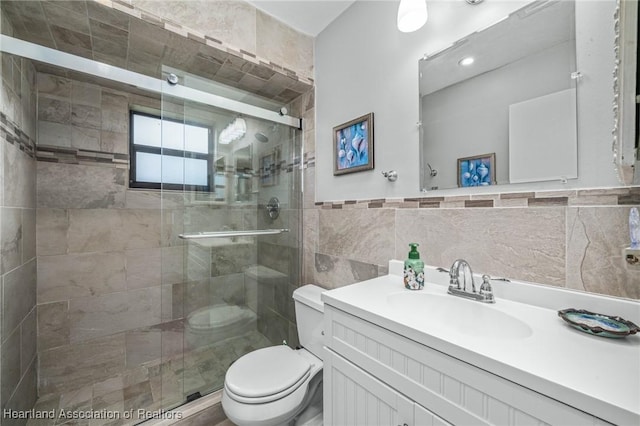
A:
484	295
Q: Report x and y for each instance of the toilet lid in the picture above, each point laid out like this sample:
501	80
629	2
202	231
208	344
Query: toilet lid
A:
274	371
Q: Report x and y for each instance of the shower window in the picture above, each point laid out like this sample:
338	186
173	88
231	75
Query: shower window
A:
170	154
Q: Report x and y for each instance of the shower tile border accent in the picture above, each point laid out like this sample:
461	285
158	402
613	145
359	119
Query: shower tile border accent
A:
128	8
564	198
14	135
54	154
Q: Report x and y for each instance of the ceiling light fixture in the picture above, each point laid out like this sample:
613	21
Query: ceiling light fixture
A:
234	131
412	15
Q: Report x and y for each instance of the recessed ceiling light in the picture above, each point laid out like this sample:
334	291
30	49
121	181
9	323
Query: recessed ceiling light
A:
465	62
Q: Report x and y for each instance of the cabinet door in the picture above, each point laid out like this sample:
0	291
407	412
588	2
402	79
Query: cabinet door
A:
354	398
424	417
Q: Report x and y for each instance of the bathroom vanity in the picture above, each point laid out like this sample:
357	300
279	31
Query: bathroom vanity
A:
401	357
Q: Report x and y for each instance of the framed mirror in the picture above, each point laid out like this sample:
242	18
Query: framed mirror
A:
528	92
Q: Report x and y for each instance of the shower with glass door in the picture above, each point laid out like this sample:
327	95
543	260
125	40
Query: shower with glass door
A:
169	223
232	221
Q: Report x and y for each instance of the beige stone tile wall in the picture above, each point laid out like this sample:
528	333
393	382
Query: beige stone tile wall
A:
18	358
574	239
241	26
79	115
141	40
110	270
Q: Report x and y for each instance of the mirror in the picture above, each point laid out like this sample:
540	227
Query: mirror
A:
496	119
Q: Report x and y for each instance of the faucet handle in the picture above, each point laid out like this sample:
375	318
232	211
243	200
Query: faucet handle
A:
486	292
453	282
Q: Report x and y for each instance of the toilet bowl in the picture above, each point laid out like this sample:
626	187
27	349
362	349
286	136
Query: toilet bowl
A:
213	324
274	385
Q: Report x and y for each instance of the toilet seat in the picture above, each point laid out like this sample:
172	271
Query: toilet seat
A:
219	316
266	375
281	406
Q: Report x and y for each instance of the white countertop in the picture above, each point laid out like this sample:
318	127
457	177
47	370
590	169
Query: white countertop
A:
600	376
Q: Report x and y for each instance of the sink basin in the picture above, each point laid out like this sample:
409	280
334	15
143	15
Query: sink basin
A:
460	315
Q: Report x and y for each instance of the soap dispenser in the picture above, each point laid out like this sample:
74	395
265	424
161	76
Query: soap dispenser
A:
414	269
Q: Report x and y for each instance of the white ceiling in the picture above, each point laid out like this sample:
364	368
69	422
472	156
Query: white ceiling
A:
307	16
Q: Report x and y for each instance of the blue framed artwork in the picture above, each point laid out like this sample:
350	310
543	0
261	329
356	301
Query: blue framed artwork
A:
478	170
353	145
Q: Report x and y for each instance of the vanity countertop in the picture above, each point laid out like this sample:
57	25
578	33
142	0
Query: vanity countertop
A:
600	376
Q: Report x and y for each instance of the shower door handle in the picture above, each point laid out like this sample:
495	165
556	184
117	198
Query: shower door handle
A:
227	234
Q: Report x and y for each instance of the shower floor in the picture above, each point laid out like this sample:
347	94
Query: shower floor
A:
147	389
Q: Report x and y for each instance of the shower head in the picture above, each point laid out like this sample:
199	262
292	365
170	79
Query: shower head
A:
262	137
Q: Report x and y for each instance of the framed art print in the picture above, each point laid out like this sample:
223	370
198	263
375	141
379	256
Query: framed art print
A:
269	168
353	145
478	170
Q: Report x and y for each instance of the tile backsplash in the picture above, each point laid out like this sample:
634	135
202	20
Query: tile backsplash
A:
573	239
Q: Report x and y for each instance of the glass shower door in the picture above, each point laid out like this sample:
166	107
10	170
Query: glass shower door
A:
236	179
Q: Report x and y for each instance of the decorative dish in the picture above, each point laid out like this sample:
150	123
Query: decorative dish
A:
598	324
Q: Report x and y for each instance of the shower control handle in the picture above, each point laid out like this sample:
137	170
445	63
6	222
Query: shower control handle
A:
273	208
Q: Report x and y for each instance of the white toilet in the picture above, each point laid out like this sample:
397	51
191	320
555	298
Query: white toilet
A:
272	386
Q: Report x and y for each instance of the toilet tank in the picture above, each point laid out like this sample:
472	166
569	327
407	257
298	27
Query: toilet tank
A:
309	317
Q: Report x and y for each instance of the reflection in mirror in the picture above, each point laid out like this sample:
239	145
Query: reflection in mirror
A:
220	179
243	174
506	93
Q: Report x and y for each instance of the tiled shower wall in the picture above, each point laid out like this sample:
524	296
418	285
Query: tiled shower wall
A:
111	282
236	24
232	42
280	257
105	260
17	234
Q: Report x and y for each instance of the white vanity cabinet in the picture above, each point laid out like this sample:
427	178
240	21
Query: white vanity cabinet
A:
373	376
354	397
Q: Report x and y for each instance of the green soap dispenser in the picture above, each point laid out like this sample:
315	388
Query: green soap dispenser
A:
414	269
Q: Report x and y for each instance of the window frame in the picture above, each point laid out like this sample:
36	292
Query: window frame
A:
135	148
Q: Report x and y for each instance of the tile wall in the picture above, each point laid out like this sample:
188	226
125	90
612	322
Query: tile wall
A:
18	360
100	246
573	239
238	25
232	42
111	283
279	257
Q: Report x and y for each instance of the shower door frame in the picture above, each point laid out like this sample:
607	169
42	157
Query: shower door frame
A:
61	59
199	234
